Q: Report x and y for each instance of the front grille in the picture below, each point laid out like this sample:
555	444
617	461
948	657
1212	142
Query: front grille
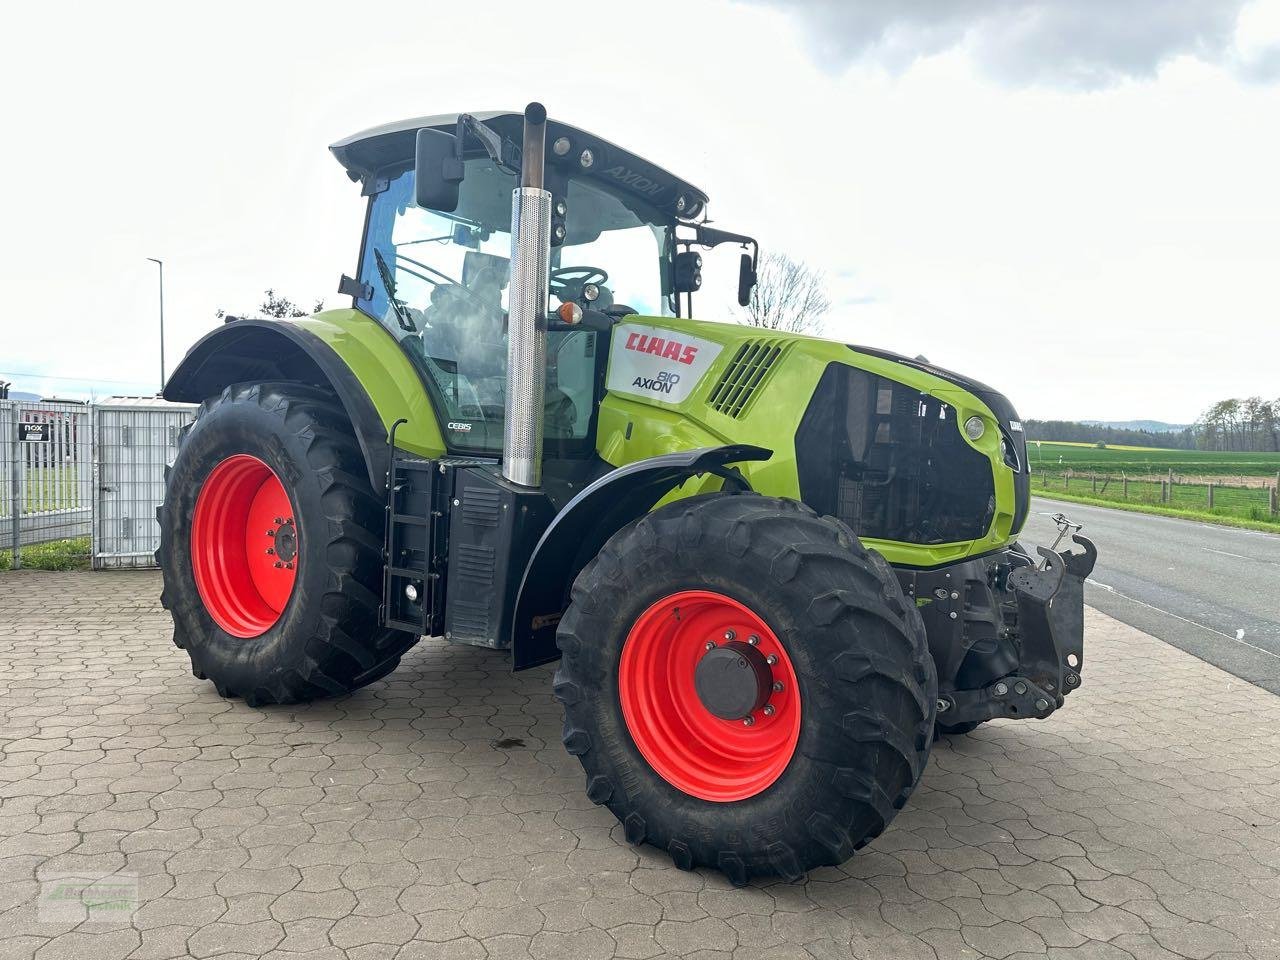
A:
744	376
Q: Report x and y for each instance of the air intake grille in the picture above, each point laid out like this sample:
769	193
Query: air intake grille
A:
745	375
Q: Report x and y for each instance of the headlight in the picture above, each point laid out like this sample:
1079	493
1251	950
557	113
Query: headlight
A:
974	428
1009	453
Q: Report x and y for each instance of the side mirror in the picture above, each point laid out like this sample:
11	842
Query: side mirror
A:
746	280
437	170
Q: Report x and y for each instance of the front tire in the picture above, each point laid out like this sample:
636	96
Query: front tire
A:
271	549
774	779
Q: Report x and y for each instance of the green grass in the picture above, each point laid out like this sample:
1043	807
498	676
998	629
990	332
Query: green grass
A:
53	489
1050	457
57	555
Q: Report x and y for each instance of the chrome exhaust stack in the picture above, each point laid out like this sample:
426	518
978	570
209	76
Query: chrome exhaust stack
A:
527	308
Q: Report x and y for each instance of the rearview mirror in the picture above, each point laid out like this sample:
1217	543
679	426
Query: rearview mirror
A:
437	170
746	280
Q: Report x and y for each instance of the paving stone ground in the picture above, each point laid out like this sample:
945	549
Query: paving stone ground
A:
435	814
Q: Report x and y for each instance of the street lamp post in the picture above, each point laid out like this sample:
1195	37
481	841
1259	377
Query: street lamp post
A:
160	264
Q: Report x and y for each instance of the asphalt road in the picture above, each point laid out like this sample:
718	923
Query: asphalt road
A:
1212	591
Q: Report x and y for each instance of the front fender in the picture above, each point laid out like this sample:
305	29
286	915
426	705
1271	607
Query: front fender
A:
586	523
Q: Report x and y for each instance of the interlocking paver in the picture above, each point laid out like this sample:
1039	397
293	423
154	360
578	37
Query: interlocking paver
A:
435	815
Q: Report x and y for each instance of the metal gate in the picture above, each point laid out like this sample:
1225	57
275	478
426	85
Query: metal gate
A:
46	468
134	438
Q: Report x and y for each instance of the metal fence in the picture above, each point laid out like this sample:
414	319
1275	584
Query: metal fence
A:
86	480
134	438
46	467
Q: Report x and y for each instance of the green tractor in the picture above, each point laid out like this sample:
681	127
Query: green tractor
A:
773	568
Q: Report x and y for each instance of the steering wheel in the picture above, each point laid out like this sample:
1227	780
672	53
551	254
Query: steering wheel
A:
567	282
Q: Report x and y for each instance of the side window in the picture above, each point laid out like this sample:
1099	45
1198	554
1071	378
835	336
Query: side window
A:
439	285
438	282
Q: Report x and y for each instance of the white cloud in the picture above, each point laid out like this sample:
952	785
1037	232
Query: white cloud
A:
1085	44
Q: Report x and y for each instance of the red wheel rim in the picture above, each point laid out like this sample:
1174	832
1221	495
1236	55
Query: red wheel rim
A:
686	744
244	546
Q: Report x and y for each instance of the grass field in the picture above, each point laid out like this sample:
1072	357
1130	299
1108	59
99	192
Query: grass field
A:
1050	457
1136	478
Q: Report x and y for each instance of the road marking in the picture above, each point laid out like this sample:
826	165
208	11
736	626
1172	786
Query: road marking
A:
1224	553
1238	638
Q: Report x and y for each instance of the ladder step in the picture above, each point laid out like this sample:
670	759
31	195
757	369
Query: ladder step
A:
409	518
409	572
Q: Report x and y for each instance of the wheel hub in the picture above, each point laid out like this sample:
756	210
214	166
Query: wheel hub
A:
286	541
733	681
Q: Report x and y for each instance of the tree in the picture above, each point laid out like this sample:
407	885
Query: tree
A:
280	307
788	295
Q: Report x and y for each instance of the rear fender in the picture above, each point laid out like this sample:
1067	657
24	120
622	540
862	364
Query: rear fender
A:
587	522
339	350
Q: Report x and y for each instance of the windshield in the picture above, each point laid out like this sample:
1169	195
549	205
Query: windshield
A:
438	282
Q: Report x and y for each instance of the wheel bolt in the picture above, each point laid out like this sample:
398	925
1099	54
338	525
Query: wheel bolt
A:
1001	688
288	566
711	644
778	687
729	634
768	710
289	521
753	640
279	564
748	721
271	549
271	533
279	520
771	659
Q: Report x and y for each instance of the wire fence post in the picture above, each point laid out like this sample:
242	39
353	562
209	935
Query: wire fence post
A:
1275	498
1211	495
15	494
1124	482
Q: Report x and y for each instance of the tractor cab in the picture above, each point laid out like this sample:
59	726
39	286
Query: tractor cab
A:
435	266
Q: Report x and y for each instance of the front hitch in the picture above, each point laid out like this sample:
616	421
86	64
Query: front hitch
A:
1050	636
1051	622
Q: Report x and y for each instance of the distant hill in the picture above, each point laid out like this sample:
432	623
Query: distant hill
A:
1146	426
1134	433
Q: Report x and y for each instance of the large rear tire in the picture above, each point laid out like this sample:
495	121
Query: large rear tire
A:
797	771
271	549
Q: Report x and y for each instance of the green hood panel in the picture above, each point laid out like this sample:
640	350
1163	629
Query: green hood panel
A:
731	399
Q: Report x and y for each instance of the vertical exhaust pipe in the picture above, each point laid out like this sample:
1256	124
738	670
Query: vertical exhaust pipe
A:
527	308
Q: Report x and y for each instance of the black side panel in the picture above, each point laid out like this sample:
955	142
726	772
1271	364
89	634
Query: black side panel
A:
889	461
255	351
581	529
493	527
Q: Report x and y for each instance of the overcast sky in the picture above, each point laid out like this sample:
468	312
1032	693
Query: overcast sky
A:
1074	200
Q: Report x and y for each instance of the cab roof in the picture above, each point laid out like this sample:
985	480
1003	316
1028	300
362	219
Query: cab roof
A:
384	148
